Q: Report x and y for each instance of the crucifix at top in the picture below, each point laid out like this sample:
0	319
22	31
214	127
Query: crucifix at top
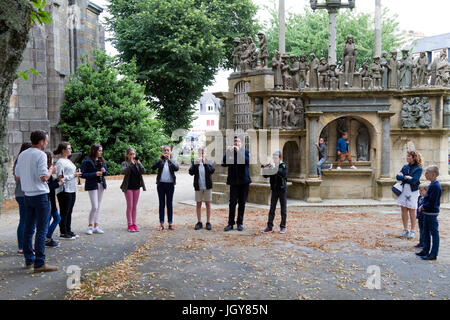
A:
332	6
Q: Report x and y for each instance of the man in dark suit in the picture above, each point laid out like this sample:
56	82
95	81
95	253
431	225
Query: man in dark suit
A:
237	160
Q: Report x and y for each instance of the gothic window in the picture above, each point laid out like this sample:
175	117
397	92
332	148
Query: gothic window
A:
241	106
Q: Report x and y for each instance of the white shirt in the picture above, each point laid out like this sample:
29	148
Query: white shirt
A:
201	177
31	166
66	167
165	175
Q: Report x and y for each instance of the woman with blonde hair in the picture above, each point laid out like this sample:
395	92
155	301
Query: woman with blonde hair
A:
410	178
132	183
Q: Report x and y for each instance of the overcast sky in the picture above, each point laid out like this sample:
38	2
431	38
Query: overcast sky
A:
429	17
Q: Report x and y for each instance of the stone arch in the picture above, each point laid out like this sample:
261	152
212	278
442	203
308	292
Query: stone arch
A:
291	156
362	135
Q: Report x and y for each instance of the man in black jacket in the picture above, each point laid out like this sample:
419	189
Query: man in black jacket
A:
237	160
277	172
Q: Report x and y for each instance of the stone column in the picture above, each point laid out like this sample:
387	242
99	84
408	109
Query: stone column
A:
312	159
386	147
378	28
332	37
281	28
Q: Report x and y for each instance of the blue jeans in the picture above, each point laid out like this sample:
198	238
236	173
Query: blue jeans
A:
430	230
321	166
165	195
52	226
21	226
38	216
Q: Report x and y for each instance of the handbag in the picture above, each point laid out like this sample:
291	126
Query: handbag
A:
397	188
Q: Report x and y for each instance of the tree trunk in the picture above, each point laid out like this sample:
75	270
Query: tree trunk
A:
15	24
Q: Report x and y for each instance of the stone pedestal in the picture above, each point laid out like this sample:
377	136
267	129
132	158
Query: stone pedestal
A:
385	189
313	190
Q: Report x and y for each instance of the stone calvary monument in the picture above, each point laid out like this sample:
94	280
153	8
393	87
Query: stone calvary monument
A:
388	106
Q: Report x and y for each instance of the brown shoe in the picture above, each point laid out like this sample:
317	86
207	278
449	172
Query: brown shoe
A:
45	268
28	266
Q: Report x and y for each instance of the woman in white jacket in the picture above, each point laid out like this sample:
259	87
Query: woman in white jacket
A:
68	173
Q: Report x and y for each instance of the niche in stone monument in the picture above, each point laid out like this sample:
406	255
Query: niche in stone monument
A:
285	113
291	154
416	113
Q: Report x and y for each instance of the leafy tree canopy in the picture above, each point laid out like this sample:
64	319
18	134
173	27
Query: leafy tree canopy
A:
308	32
104	104
179	46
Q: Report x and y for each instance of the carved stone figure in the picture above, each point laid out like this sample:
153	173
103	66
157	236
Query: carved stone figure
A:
263	51
415	80
278	112
416	113
384	70
294	69
362	144
313	66
270	112
333	75
349	60
376	73
323	73
366	76
442	69
287	79
425	114
253	53
422	66
223	115
299	114
303	71
276	67
258	114
405	74
249	56
237	54
393	71
285	113
416	109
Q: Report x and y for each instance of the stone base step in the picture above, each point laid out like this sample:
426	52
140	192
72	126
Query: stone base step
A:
221	187
219	198
220	178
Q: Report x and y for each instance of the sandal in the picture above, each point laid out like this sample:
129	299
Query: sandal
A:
171	227
161	228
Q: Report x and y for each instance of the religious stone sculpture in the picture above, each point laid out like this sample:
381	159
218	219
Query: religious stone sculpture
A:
237	54
405	74
303	71
405	114
270	113
294	69
425	114
287	79
285	113
349	61
333	76
276	67
384	70
258	114
421	70
362	144
323	74
442	69
313	66
263	51
299	114
393	71
278	112
416	113
366	76
376	73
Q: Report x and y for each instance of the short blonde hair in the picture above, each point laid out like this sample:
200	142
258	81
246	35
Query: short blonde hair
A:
433	169
423	187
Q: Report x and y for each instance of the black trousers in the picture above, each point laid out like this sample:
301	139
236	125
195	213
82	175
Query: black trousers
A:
66	202
238	194
282	196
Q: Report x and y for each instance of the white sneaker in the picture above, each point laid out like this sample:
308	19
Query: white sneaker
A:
411	235
90	230
404	233
338	168
353	167
98	230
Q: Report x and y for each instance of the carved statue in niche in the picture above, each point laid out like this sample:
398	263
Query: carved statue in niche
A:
303	71
333	75
278	112
349	60
393	71
285	113
299	114
258	114
365	75
415	111
362	144
290	105
405	74
270	112
442	69
384	70
294	69
323	74
287	79
237	54
425	114
276	67
313	66
223	115
376	73
422	70
263	51
406	114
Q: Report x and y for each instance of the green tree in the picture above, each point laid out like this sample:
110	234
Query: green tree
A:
104	104
178	46
308	32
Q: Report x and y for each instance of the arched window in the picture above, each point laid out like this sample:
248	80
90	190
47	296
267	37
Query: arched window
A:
241	106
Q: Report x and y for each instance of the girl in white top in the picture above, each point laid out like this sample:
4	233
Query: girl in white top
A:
68	173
